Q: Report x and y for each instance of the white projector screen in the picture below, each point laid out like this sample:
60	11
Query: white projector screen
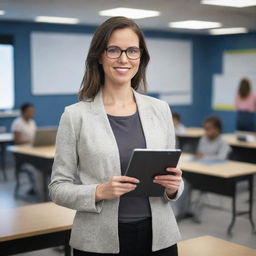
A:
58	65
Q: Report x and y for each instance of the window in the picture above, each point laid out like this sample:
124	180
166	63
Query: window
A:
6	73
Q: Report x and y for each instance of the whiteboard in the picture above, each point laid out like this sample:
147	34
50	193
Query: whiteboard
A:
169	68
237	65
58	62
58	65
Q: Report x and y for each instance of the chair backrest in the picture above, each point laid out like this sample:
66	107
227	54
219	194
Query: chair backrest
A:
2	129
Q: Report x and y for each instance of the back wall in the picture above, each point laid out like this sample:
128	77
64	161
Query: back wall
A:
207	60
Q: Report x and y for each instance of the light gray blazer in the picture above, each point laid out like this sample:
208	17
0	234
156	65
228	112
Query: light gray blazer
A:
86	150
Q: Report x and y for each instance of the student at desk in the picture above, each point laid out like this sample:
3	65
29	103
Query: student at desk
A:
94	142
180	128
24	129
212	147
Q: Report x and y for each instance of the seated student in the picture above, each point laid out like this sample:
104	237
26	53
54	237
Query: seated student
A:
212	146
24	129
178	126
2	129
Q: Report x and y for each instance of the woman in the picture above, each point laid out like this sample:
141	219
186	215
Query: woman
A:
95	139
245	103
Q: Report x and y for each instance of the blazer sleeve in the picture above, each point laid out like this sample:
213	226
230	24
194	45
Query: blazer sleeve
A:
171	144
63	189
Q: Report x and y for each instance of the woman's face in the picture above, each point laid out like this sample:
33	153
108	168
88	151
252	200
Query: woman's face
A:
120	71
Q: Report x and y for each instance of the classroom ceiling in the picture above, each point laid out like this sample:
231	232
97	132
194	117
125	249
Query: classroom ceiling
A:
171	10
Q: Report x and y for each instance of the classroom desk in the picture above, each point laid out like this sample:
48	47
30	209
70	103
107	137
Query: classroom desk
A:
5	138
40	157
241	150
218	178
189	140
212	246
35	227
221	178
232	140
193	132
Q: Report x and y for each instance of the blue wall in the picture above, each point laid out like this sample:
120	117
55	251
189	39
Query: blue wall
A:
49	107
207	60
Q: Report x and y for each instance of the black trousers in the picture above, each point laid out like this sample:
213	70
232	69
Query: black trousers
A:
135	240
245	121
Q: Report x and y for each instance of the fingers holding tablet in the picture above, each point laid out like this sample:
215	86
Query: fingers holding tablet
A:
115	187
170	181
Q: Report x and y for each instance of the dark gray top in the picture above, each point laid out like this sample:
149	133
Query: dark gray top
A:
129	135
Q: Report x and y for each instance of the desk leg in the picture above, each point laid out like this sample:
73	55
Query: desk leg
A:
17	174
45	187
233	209
3	150
67	250
251	202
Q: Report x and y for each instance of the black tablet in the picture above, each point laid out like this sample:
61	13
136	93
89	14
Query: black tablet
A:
145	164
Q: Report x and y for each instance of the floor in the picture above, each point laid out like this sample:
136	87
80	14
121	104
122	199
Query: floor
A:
215	218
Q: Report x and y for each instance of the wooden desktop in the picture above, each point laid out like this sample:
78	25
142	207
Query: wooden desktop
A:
35	227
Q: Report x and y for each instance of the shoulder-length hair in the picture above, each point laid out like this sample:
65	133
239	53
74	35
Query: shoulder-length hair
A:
244	88
93	78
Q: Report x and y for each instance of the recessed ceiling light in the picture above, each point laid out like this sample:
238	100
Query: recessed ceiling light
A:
194	24
225	31
230	3
2	12
56	20
129	13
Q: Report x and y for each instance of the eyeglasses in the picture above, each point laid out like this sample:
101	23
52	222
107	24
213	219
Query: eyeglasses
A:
132	53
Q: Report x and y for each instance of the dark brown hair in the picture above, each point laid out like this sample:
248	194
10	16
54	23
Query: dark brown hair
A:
25	106
93	78
176	115
214	121
244	88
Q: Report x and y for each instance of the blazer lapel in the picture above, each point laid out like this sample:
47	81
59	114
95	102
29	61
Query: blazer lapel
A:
98	109
146	119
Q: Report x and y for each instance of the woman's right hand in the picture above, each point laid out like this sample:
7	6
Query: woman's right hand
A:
115	187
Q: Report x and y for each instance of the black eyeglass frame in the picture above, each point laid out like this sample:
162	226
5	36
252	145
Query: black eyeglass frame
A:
121	52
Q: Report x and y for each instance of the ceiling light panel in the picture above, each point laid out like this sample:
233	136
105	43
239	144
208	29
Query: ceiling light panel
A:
230	3
129	13
226	31
51	19
194	24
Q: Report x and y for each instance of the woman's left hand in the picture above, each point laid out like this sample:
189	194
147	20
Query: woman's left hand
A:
170	181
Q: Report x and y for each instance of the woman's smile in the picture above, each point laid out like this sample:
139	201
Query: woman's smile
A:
122	70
